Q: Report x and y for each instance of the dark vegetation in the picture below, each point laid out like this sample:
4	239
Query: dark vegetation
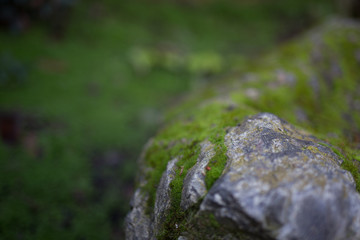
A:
83	85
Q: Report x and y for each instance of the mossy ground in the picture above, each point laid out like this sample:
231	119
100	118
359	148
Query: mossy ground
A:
312	83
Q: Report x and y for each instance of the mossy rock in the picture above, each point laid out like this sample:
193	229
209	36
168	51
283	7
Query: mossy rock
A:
314	84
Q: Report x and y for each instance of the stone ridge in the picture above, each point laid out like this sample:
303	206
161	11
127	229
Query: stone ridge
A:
163	200
194	183
138	223
282	184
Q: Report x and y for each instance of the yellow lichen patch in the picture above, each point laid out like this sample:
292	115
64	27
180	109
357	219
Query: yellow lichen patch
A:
313	149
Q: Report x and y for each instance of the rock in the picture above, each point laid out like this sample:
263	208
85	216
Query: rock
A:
194	182
278	183
224	168
162	202
282	184
138	223
182	238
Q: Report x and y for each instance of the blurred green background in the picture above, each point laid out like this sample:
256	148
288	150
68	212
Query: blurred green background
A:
84	84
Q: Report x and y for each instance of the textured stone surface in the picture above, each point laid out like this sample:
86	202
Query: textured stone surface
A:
278	183
194	182
162	202
282	184
141	225
268	180
138	223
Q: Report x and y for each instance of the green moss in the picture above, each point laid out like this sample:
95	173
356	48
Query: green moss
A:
288	81
182	139
206	226
216	165
349	158
349	166
357	155
175	220
157	158
229	118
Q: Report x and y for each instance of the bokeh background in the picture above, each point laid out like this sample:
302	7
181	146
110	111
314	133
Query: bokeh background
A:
84	84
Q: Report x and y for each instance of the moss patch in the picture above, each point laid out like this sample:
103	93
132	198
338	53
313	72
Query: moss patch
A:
310	83
182	139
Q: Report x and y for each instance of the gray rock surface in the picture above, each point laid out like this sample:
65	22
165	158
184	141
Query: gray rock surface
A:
162	201
278	183
194	182
282	184
138	223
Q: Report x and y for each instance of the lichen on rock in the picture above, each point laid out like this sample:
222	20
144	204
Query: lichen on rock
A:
281	184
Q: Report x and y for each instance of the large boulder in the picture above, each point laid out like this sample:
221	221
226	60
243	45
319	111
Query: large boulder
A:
281	184
225	168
